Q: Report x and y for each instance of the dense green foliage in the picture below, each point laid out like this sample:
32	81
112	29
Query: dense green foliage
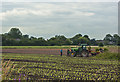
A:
108	55
100	44
15	38
55	67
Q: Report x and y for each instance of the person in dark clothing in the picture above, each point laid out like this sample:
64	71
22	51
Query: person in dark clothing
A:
101	50
61	51
89	49
68	51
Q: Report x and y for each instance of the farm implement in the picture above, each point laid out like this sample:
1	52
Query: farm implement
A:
83	51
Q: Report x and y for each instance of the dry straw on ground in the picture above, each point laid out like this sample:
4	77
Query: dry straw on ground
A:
7	69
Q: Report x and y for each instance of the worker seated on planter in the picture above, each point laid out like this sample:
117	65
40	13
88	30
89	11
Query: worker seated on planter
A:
71	50
89	49
68	52
101	50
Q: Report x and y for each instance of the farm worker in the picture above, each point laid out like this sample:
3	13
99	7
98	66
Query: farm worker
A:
79	44
68	52
101	50
89	49
61	52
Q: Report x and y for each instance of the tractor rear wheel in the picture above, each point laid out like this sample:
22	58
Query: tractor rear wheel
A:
73	54
85	53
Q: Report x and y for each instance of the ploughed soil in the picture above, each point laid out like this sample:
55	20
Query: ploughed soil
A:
35	51
45	51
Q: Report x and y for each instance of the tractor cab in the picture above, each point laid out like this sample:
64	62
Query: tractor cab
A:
83	46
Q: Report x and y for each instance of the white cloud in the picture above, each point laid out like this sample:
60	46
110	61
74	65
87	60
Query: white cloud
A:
48	19
23	12
46	10
84	13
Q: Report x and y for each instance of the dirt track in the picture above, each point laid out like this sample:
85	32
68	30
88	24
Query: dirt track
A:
35	51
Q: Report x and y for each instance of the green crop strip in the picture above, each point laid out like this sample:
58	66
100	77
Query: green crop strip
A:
35	47
55	67
48	47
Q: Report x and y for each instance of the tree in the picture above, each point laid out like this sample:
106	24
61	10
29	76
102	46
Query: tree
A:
86	36
108	40
57	40
26	36
60	37
31	38
108	37
76	36
42	42
15	33
0	39
93	41
75	39
83	40
68	42
53	41
100	44
116	39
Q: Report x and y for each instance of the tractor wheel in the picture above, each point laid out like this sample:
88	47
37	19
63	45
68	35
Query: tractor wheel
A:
73	54
85	53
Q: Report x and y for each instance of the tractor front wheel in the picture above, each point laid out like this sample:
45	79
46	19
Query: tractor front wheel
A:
85	53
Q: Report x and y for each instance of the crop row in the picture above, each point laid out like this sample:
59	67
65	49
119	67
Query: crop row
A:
53	67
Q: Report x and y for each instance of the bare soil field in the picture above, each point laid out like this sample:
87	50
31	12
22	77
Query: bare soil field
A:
35	51
45	51
114	50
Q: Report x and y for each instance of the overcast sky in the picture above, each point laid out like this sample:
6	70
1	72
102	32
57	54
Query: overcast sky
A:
59	0
95	19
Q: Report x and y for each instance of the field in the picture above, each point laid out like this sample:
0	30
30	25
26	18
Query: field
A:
46	65
35	51
41	47
54	50
35	47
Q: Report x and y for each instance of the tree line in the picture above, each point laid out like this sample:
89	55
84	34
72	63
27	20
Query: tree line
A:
15	38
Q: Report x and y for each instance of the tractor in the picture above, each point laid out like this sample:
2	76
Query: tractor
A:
83	51
78	51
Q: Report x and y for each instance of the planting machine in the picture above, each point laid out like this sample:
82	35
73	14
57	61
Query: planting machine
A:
82	51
